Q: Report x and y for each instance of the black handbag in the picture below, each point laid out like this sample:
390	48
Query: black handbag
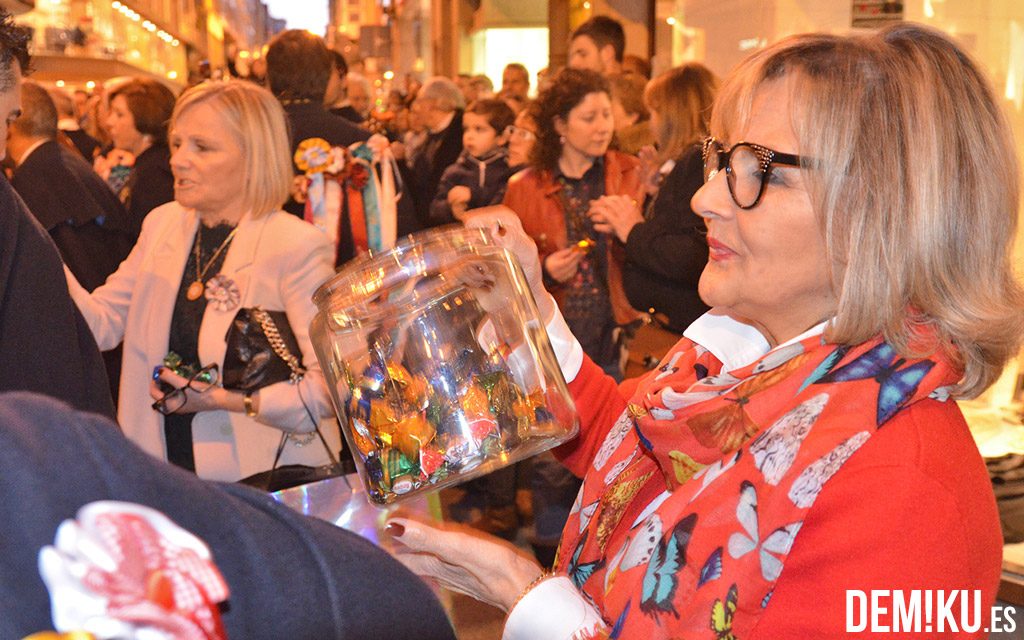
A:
261	350
251	360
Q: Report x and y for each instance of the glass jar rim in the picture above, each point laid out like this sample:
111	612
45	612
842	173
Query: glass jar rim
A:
352	296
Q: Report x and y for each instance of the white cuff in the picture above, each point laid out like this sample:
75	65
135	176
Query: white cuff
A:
567	348
553	610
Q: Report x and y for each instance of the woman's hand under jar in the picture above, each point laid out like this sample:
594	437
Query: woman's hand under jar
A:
465	561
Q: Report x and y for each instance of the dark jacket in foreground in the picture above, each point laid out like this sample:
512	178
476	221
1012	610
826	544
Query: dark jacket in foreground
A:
45	345
83	216
290	576
666	254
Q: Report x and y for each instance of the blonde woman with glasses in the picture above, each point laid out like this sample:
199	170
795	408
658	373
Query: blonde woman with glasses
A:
800	443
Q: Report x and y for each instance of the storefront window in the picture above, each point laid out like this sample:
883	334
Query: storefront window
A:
106	30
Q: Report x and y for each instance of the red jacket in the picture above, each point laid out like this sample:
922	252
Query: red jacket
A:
533	195
911	509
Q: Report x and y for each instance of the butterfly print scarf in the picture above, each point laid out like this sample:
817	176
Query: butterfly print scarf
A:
691	506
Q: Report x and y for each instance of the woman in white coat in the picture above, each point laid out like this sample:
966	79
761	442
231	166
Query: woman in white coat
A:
222	245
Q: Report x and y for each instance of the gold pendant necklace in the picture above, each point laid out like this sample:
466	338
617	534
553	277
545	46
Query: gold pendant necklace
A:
196	288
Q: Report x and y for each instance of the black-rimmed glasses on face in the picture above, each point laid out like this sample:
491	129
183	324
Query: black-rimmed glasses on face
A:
201	381
748	167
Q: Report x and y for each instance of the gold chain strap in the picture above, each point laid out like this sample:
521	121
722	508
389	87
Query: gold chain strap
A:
277	344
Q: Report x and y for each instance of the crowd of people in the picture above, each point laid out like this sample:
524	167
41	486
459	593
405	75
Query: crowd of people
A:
776	287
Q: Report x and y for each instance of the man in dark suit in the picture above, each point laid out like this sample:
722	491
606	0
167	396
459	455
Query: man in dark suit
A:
86	220
45	344
439	104
68	124
84	217
298	68
288	575
336	99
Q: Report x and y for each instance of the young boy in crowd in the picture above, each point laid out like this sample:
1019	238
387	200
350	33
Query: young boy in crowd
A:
478	177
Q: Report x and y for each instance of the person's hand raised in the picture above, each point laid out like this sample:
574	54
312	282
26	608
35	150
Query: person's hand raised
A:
507	230
563	264
615	215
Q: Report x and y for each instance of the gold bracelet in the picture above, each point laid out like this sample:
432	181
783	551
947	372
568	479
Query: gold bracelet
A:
250	410
544	575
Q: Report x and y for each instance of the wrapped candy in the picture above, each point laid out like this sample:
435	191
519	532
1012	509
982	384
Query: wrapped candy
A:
438	364
399	473
411	434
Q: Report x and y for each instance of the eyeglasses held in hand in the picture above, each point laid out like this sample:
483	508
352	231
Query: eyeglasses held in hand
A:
748	168
200	382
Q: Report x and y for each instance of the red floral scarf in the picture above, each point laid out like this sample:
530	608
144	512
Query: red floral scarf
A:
691	506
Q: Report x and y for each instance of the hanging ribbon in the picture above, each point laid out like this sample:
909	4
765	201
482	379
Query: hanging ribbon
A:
363	179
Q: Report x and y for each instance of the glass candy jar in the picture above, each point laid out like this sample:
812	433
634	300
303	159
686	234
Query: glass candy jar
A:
438	364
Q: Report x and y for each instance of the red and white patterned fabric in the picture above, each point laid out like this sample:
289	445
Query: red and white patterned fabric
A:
125	571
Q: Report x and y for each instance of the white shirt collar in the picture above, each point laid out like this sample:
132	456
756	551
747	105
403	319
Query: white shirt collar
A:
734	343
68	124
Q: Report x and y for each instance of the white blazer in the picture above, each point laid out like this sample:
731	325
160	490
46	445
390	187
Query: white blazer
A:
277	261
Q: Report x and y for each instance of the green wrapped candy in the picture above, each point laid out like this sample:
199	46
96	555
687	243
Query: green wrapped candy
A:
396	466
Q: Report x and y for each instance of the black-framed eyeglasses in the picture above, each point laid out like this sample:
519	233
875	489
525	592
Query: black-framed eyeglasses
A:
748	167
201	381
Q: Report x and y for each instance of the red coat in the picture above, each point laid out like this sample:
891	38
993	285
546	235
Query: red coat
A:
911	509
533	195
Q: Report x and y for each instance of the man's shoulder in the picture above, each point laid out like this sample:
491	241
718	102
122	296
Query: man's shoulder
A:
321	123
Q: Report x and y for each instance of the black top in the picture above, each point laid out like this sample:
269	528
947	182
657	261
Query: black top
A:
45	344
666	254
86	220
349	113
150	185
290	576
439	151
86	144
184	335
586	303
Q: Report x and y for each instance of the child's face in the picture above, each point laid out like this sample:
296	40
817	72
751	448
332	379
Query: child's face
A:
478	136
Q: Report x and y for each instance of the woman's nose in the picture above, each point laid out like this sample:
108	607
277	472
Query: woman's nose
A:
713	199
177	157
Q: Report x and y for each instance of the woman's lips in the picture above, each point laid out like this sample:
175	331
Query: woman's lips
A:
718	251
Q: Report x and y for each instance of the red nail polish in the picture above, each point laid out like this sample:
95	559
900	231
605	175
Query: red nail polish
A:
395	530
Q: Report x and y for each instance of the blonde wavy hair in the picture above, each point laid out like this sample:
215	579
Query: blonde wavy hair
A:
682	97
256	120
915	182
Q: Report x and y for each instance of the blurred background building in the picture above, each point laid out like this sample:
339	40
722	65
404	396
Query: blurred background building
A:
78	43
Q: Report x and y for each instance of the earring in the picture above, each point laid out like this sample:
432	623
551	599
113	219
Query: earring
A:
561	140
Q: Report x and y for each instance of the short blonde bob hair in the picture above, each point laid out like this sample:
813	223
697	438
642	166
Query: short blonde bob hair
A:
915	182
256	120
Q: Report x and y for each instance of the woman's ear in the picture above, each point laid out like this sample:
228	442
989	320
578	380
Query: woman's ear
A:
559	125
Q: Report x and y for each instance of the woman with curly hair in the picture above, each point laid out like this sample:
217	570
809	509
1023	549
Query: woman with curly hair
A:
571	168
